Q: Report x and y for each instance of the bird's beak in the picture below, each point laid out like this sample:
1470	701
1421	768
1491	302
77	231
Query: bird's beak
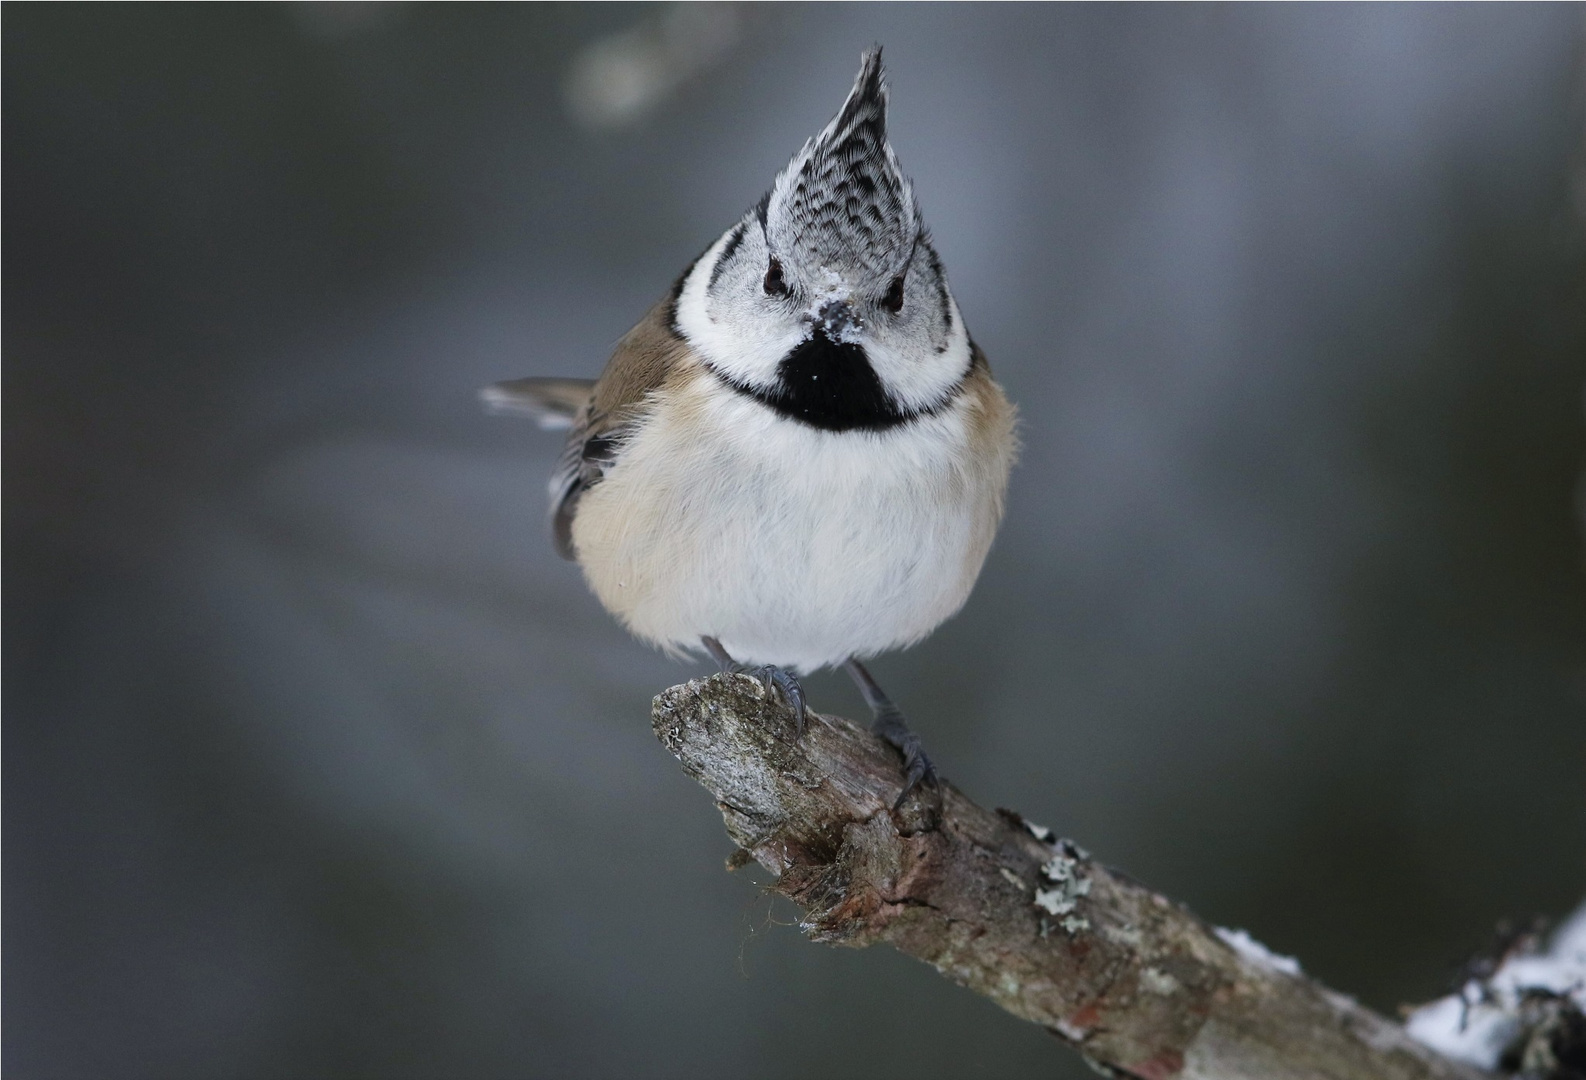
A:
837	319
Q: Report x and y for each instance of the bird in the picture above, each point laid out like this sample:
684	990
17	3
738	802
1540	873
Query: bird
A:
798	458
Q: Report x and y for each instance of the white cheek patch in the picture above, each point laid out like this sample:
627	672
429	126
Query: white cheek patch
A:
916	374
734	333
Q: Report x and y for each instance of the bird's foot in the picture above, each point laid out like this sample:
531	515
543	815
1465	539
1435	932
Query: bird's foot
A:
917	767
772	678
891	726
780	679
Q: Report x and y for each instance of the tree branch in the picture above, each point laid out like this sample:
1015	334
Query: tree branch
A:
1129	978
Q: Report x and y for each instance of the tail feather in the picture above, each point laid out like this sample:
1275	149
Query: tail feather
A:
553	403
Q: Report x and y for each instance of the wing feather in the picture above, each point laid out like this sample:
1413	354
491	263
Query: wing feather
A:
645	357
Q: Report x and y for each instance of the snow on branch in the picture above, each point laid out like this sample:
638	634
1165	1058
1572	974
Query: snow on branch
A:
1126	976
1527	1015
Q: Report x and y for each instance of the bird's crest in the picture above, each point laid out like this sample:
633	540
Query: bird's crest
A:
842	207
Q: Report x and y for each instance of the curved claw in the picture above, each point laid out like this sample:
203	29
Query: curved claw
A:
917	769
791	690
769	676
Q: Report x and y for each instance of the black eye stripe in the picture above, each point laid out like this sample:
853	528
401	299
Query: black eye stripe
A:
941	291
726	254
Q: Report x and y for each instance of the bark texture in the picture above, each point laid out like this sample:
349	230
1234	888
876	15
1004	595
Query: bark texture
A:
1129	978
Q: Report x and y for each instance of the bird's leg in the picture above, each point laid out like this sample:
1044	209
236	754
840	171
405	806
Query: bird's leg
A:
891	726
728	665
768	675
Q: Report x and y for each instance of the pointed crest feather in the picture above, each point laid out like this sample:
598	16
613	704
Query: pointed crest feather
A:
843	205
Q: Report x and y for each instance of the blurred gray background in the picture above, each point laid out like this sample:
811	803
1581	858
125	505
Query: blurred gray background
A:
319	763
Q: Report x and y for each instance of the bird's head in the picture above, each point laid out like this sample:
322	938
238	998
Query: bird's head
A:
827	298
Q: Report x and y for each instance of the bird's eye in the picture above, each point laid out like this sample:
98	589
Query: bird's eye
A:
893	301
774	285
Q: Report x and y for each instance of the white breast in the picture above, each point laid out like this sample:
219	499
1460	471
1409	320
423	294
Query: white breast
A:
793	546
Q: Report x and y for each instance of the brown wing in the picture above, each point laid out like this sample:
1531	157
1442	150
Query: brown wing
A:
644	358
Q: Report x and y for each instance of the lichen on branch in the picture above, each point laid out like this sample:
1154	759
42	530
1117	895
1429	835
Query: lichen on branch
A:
1132	980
